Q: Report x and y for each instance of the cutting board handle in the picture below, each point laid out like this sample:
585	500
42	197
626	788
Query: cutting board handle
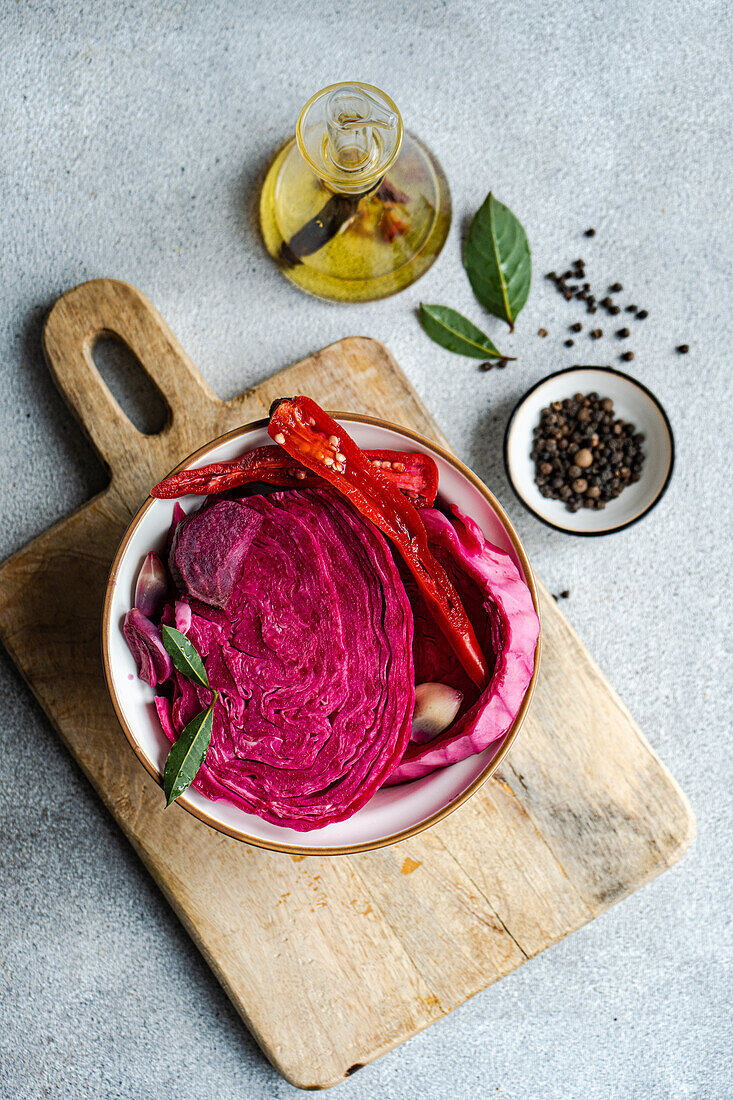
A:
108	307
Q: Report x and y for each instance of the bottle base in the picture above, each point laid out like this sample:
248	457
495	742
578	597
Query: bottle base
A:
362	250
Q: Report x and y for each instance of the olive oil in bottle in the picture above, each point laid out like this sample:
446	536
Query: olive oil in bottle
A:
353	208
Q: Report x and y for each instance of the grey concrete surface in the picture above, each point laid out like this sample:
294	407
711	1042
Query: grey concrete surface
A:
133	139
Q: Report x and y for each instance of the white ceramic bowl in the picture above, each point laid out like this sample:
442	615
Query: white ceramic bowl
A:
394	813
632	402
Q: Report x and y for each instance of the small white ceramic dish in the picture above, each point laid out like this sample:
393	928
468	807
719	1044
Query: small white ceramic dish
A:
394	813
632	402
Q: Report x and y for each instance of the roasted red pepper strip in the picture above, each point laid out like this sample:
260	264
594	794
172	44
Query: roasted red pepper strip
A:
312	437
415	474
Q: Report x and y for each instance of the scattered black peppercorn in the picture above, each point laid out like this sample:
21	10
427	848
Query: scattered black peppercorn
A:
565	594
596	334
582	291
589	233
486	366
569	343
627	356
623	333
683	348
542	332
577	327
601	456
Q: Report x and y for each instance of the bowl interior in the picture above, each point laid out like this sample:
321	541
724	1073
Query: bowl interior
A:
633	403
393	811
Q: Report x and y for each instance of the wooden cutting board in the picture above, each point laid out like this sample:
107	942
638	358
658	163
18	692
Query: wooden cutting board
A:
332	961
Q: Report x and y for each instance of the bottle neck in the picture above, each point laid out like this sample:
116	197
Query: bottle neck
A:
349	135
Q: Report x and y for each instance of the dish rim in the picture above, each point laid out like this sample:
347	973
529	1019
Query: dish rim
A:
454	804
618	526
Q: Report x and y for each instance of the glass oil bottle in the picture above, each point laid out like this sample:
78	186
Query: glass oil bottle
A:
354	208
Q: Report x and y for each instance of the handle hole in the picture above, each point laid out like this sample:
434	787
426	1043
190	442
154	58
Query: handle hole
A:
131	386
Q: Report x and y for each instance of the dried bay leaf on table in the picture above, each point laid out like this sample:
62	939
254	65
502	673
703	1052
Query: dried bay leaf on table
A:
498	261
456	333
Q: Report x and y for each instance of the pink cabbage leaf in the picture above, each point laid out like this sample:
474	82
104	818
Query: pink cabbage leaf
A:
492	589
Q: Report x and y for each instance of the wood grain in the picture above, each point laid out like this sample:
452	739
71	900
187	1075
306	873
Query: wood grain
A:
332	961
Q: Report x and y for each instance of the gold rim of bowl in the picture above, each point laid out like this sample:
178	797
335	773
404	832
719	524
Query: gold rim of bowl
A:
433	819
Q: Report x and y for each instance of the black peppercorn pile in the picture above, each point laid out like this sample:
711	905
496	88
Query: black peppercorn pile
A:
583	455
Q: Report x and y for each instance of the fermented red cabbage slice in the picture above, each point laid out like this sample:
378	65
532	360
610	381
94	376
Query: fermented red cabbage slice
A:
310	648
499	604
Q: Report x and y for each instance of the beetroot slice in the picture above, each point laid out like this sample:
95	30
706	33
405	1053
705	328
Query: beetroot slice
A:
514	629
307	636
209	550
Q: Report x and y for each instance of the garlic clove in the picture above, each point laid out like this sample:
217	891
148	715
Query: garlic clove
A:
146	645
152	586
182	613
436	706
177	516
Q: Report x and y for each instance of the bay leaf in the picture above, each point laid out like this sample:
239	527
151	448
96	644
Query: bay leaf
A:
456	333
184	656
188	754
498	260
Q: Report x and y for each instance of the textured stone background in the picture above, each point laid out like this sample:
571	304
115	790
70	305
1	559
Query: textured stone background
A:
133	138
